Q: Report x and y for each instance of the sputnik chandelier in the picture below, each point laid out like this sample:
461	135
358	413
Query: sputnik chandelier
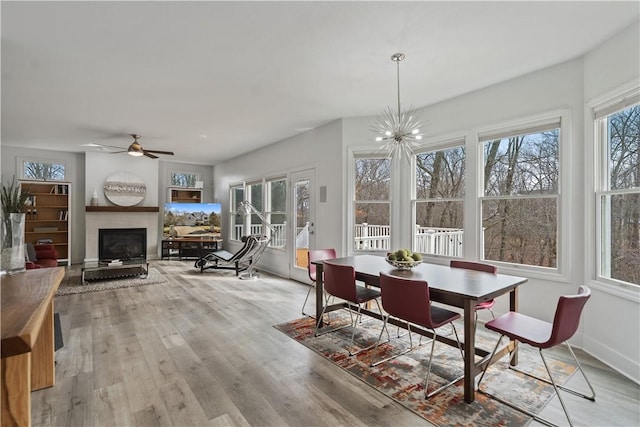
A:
399	132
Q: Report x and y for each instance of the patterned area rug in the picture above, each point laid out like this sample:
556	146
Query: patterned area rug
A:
72	283
402	379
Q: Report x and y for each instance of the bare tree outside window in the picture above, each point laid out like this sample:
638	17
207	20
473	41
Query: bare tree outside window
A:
372	203
44	171
439	203
620	201
520	203
276	212
236	196
183	179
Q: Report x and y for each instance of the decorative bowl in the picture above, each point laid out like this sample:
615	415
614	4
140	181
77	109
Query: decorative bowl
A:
403	265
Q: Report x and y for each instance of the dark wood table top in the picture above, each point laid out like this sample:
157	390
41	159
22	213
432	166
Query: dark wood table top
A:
458	282
24	302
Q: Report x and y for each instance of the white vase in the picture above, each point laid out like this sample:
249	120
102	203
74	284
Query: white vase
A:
13	259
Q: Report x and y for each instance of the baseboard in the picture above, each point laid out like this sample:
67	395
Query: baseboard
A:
615	360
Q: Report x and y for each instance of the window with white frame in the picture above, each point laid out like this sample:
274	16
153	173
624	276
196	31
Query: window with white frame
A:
276	210
236	219
254	196
618	190
185	179
372	202
42	170
521	200
438	204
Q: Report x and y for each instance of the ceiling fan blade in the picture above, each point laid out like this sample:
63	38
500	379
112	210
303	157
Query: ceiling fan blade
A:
149	155
168	153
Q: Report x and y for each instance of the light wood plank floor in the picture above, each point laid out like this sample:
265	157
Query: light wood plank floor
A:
201	350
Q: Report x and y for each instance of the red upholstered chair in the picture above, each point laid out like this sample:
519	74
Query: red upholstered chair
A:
41	256
340	282
543	335
409	300
477	266
316	255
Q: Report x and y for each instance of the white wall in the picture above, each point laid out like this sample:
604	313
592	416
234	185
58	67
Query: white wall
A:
319	149
612	319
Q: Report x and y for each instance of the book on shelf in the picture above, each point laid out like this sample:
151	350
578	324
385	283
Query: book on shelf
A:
63	214
44	241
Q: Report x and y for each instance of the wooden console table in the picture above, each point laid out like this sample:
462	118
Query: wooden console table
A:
28	361
189	247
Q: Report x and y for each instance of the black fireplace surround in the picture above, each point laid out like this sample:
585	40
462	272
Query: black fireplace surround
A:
122	243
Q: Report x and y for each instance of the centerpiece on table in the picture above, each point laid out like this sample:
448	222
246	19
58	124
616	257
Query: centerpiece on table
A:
13	200
404	259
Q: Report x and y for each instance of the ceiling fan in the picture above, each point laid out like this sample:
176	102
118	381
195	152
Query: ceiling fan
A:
135	149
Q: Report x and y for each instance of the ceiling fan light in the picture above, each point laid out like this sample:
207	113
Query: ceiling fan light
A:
135	149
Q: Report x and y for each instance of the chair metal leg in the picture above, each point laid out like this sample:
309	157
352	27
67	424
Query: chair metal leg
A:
551	381
450	383
561	387
306	299
353	333
411	347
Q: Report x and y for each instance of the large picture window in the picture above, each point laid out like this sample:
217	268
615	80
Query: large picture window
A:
618	191
372	204
438	203
520	205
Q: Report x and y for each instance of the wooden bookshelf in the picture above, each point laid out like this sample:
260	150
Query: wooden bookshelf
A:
48	216
185	195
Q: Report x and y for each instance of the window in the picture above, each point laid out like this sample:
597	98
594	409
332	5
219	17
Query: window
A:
276	212
236	219
254	196
372	204
438	203
520	205
42	170
185	179
618	190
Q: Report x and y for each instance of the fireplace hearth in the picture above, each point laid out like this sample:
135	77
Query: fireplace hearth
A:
122	243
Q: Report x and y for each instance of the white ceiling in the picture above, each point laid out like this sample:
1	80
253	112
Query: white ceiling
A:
212	80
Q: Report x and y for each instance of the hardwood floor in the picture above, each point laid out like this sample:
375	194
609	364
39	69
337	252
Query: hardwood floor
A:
201	350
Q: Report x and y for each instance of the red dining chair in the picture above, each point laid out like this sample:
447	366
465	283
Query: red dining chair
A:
315	255
340	282
409	300
478	266
543	335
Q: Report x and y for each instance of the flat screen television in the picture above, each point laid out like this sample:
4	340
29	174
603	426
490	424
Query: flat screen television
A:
192	220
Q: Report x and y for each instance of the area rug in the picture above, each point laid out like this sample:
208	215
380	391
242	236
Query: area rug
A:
402	379
72	283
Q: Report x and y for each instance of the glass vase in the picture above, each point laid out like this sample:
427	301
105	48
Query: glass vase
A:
12	259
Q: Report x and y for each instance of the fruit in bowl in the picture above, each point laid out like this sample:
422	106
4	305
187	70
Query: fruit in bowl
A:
404	259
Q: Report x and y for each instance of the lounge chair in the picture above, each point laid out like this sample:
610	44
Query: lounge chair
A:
239	261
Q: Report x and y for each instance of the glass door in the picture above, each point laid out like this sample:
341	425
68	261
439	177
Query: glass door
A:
303	222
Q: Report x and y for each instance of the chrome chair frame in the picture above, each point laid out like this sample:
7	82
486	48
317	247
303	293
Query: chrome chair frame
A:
567	313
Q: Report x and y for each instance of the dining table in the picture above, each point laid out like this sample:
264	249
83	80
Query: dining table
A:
456	287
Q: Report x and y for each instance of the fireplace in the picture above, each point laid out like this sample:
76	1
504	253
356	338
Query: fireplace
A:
122	243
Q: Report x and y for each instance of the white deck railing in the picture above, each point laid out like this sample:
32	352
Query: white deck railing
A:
427	240
278	239
372	237
438	241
